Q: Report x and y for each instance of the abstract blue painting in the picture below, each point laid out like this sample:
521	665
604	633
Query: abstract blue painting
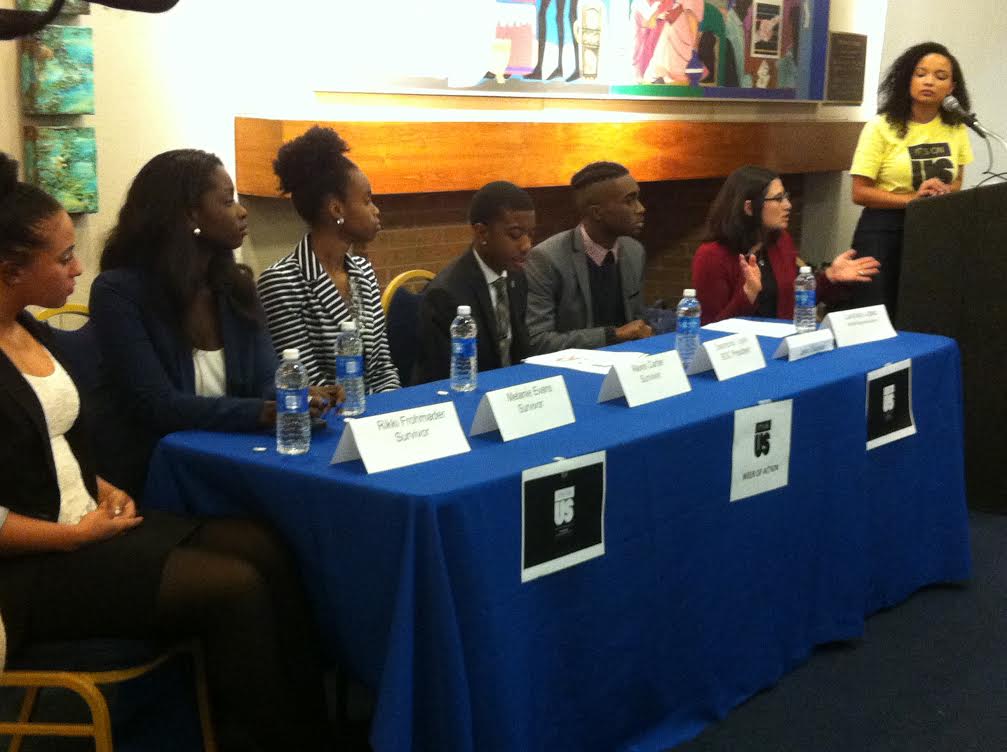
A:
70	7
62	161
57	71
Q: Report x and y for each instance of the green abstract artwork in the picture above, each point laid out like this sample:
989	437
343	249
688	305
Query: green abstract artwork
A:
70	7
62	161
57	71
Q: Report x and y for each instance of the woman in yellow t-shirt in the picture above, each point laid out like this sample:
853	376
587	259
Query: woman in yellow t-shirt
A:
912	149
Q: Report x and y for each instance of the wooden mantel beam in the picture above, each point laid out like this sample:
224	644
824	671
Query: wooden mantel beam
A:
430	157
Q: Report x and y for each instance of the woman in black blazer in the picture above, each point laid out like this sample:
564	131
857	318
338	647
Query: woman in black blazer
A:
180	330
76	558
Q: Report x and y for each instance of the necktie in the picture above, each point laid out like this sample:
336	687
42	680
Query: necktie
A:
502	310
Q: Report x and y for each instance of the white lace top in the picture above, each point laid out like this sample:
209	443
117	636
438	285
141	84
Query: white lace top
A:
61	405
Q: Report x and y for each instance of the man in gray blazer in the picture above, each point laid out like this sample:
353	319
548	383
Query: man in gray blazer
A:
585	285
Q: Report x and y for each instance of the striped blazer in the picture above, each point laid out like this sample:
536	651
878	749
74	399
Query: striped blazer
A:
305	310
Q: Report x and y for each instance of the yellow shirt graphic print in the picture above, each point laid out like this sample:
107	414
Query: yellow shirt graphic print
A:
901	165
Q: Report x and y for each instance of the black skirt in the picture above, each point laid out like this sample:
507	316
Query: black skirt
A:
879	234
106	589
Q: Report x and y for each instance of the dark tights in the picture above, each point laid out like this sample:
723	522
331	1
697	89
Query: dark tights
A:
234	587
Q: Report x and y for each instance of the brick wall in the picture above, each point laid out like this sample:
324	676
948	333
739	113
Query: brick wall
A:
426	231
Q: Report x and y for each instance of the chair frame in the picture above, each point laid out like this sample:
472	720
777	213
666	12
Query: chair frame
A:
399	281
77	308
86	684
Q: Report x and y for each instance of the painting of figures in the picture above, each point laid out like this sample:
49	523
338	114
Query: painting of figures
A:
63	162
751	49
57	71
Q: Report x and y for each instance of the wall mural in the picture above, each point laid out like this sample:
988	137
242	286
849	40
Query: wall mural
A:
762	49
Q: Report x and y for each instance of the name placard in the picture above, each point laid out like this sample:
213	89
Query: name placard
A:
524	409
406	437
729	356
648	379
860	325
804	345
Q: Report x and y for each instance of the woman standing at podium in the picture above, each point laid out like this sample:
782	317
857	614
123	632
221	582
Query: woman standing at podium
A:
911	149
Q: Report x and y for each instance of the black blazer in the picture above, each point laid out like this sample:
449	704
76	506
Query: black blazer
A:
462	283
28	470
148	377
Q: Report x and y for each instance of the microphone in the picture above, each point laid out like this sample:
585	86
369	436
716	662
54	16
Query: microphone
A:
950	104
21	23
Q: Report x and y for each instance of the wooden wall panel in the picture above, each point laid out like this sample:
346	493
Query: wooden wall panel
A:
425	157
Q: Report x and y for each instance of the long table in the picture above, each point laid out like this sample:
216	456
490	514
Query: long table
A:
698	602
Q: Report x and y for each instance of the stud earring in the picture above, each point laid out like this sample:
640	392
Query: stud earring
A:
197	232
339	221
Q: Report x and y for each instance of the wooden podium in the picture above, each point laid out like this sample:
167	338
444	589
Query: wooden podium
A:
954	282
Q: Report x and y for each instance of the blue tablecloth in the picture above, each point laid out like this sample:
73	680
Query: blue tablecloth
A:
697	603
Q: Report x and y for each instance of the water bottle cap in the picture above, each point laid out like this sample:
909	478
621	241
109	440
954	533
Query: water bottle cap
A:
805	270
291	353
464	310
348	326
689	292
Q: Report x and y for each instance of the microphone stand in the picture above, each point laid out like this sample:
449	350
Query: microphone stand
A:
986	134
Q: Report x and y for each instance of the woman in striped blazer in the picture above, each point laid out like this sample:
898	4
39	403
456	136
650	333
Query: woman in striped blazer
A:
308	294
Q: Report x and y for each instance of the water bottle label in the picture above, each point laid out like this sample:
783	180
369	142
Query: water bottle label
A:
464	347
688	325
349	367
804	298
292	400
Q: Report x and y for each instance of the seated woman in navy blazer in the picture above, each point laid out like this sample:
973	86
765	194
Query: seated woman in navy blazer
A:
78	561
180	330
309	293
748	263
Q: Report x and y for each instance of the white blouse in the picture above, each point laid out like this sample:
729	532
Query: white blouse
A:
61	406
211	376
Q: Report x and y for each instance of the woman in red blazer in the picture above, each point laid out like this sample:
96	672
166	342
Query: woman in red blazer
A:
748	263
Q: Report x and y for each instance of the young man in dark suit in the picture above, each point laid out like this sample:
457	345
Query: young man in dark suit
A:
489	278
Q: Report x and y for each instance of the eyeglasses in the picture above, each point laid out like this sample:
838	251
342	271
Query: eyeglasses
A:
781	198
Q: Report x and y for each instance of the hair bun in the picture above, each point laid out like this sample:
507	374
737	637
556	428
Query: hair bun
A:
8	175
318	151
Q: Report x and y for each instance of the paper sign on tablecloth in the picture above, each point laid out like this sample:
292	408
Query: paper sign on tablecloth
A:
646	380
860	325
728	356
890	404
562	514
524	409
761	457
406	437
804	345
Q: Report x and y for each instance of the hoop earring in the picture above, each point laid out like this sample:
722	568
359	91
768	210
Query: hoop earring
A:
197	232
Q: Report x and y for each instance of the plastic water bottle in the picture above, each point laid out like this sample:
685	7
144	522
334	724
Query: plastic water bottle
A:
293	422
464	365
350	369
805	319
688	316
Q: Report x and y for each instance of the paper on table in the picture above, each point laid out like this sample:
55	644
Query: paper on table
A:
762	328
591	361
